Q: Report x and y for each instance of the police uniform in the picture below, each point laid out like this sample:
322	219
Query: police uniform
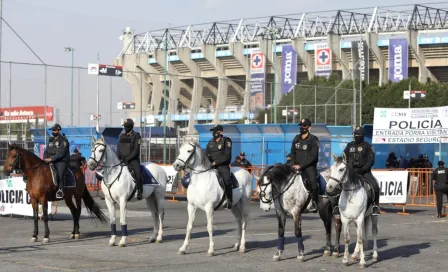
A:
305	153
362	156
440	181
76	160
58	151
129	152
219	151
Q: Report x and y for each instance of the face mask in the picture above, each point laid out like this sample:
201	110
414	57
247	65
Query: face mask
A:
128	129
358	139
303	130
216	135
55	134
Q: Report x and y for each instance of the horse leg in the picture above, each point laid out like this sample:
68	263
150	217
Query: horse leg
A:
113	227
45	216
346	228
78	199
245	215
360	240
159	199
298	233
209	213
374	220
35	206
152	205
237	212
281	218
191	216
71	206
338	229
124	226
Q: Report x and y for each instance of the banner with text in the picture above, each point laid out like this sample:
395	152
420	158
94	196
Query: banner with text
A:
409	126
322	60
398	59
14	199
289	68
360	60
393	186
257	80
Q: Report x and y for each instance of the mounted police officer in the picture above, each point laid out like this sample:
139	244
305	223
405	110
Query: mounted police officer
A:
219	152
304	157
440	183
58	153
129	152
362	156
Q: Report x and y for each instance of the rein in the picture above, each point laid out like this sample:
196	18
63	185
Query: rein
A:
18	161
285	188
186	165
342	184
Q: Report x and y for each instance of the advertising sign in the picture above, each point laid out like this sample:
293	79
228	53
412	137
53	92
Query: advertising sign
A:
23	114
257	80
398	59
322	58
289	68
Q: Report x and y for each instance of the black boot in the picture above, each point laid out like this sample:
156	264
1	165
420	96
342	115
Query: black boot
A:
375	209
60	193
315	198
229	191
139	189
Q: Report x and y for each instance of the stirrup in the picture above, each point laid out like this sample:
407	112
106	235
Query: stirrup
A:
59	194
376	210
313	207
336	211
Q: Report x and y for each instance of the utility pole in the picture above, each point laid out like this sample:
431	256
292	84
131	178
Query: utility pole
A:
164	97
71	49
98	96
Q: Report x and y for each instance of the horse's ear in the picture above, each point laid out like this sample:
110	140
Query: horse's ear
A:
102	138
344	158
335	158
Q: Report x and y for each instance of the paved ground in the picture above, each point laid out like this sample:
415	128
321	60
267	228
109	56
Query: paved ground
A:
406	243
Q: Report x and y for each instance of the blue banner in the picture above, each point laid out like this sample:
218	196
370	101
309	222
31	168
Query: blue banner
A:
398	59
289	68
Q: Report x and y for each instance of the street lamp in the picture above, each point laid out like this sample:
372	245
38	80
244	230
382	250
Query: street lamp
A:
71	49
274	31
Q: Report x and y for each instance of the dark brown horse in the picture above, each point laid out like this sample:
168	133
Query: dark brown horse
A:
41	189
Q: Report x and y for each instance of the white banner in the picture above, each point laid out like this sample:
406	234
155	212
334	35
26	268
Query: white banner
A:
393	186
409	126
14	199
170	174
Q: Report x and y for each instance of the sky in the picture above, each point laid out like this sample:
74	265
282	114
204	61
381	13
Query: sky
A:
94	26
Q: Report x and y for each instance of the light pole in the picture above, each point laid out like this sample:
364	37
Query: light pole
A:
274	31
164	98
71	49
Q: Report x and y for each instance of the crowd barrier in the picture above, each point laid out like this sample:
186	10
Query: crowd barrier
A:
420	192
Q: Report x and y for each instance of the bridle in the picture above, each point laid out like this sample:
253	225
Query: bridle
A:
17	164
94	153
262	194
339	181
186	162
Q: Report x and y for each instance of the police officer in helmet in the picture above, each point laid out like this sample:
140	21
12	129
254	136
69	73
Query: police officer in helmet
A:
129	152
362	156
58	153
219	152
440	183
304	157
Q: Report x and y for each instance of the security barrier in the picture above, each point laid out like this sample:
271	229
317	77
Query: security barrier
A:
420	192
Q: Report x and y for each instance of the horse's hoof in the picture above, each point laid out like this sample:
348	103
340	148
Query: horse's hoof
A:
362	266
210	254
375	260
181	252
300	258
46	240
335	254
327	253
159	241
122	245
345	262
77	236
276	258
242	250
33	239
111	244
354	258
72	236
151	240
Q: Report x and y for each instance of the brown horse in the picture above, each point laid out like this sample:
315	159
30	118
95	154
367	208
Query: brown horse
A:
41	189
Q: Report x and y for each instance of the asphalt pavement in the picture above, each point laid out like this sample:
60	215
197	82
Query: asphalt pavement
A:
406	243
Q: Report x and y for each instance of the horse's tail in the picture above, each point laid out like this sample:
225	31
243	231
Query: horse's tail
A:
92	207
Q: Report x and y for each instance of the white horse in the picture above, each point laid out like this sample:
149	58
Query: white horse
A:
118	186
353	208
204	192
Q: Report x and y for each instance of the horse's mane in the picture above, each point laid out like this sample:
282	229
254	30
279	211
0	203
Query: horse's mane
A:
26	152
204	159
353	179
278	173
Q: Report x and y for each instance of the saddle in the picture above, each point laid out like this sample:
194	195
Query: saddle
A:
69	177
307	183
369	190
185	181
147	177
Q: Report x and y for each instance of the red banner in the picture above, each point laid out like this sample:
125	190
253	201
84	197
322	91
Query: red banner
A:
22	114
